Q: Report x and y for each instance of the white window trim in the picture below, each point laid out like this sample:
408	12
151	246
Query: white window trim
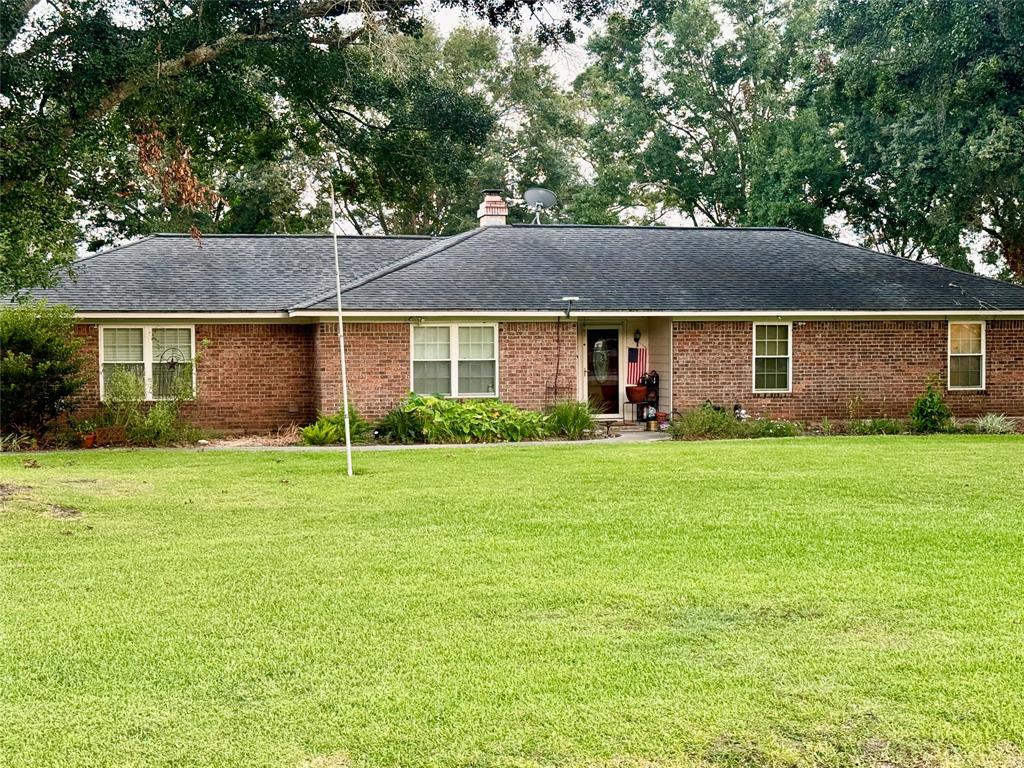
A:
950	355
754	356
147	356
453	358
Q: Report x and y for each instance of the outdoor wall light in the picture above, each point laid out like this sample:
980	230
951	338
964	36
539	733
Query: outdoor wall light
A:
636	336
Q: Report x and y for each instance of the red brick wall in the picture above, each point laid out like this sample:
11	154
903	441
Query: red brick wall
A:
530	355
89	396
250	377
377	359
879	365
258	377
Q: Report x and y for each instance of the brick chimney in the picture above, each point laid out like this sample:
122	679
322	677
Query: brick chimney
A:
493	210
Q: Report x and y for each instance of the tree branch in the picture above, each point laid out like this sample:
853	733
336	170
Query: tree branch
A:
197	56
208	52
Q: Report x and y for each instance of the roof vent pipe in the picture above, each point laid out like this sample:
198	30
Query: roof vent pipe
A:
493	210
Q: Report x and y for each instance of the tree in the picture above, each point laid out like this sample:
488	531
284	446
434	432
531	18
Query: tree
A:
39	366
929	105
433	186
114	111
704	109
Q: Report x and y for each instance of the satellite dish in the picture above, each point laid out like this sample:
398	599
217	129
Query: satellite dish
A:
538	199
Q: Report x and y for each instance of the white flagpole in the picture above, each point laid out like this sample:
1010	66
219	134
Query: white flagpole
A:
341	333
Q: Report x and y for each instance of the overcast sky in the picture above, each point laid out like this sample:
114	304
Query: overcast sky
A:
567	60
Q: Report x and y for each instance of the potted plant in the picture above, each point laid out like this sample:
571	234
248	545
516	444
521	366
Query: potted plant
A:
86	434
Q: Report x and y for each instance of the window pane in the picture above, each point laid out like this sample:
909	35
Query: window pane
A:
965	338
172	380
172	369
172	345
476	343
431	378
965	371
122	345
782	345
431	343
476	377
771	340
136	369
771	373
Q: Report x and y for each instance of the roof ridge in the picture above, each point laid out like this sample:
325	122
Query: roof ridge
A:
412	258
905	260
268	235
668	228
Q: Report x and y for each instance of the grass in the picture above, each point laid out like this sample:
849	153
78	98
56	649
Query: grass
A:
796	602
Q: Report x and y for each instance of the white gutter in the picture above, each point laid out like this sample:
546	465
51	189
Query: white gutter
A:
405	314
183	315
696	315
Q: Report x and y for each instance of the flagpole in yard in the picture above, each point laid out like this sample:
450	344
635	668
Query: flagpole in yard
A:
341	333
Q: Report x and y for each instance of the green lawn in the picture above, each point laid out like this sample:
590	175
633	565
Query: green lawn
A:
835	602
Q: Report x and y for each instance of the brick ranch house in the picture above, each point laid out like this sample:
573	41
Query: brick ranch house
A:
783	323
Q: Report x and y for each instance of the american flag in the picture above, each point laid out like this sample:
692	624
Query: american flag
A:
636	364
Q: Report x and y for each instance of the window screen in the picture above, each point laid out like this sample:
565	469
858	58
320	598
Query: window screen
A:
966	356
431	360
477	364
771	358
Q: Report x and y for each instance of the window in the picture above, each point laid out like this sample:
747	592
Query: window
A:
967	355
161	357
478	363
473	349
432	360
772	358
122	349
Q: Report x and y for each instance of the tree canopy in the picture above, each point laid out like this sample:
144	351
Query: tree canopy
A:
117	115
928	100
700	109
897	123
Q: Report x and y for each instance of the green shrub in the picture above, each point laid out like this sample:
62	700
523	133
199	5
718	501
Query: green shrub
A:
571	419
710	422
329	429
322	432
995	424
930	412
123	395
402	426
707	422
159	426
359	429
125	410
474	421
15	442
882	426
39	366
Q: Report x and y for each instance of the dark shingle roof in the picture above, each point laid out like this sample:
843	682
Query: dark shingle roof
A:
229	273
670	269
525	268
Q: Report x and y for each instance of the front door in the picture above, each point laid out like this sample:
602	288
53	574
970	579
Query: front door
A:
603	369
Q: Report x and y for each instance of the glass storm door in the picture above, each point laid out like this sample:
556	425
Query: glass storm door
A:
603	369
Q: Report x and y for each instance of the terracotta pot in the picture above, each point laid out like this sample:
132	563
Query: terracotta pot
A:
89	440
636	394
